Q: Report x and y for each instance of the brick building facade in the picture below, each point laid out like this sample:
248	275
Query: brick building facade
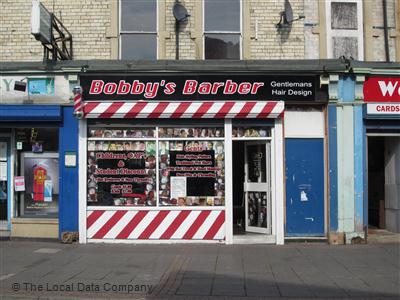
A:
95	29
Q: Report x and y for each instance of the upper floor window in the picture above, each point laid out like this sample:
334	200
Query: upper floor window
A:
138	29
222	29
344	28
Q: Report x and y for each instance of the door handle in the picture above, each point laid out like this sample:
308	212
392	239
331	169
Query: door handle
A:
310	218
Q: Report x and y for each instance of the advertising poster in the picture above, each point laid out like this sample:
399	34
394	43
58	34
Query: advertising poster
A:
199	169
39	202
122	174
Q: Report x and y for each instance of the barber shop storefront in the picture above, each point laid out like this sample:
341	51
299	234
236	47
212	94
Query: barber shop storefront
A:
183	157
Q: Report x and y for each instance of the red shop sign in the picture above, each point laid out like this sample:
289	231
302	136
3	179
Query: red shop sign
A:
382	89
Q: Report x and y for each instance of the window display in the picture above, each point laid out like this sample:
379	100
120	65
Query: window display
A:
193	132
123	165
38	168
238	132
191	173
122	173
138	132
40	198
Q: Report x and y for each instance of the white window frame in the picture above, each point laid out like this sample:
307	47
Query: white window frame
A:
122	32
240	33
359	33
156	139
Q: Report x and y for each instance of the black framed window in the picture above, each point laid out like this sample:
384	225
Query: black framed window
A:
222	29
138	29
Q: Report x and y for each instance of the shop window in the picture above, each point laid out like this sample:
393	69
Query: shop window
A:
251	132
138	29
38	168
222	29
344	28
123	164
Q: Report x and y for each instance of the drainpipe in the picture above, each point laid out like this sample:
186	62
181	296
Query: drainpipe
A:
385	31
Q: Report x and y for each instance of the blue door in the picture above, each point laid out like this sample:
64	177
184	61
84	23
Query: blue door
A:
304	187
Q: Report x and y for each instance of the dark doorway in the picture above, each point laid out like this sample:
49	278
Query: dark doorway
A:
376	182
238	194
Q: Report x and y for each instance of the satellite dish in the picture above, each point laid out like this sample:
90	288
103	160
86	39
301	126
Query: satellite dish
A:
288	13
287	16
180	12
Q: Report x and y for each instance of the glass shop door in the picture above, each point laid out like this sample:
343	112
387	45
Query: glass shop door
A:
257	187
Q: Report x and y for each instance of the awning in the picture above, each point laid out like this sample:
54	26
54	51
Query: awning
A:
187	109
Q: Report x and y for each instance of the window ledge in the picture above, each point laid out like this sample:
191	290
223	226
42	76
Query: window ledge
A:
33	221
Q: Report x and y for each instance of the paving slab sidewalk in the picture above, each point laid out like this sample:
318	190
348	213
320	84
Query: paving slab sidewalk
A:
46	270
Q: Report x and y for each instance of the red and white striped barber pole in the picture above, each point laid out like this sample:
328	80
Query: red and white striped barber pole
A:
186	109
78	104
156	225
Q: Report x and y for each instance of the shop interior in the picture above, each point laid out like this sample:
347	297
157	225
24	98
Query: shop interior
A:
384	183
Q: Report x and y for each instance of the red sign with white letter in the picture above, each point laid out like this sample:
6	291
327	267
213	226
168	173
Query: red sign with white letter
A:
382	89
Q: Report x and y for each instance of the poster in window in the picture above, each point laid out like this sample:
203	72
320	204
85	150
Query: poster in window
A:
122	173
200	164
178	187
38	170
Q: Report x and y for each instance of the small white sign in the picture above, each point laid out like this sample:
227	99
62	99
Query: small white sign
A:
3	171
19	183
48	191
70	159
19	145
178	187
383	109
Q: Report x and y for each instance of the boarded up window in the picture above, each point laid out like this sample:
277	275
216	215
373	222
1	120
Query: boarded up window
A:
347	46
344	15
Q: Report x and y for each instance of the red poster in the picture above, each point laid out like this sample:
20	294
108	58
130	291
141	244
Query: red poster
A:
39	176
382	89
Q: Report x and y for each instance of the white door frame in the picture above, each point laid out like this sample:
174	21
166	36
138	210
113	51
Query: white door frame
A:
262	187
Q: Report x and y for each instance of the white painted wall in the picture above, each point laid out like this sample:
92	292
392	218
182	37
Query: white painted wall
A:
304	124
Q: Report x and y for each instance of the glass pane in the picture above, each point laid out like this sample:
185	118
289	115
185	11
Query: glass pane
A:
192	173
344	15
347	46
257	209
195	132
222	46
122	173
139	15
256	163
40	198
251	132
139	46
222	15
137	132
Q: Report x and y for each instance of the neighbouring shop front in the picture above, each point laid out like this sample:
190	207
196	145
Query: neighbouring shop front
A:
184	157
382	128
38	186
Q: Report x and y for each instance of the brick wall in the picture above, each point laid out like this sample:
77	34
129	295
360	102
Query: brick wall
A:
311	23
272	43
87	20
90	21
378	45
188	46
